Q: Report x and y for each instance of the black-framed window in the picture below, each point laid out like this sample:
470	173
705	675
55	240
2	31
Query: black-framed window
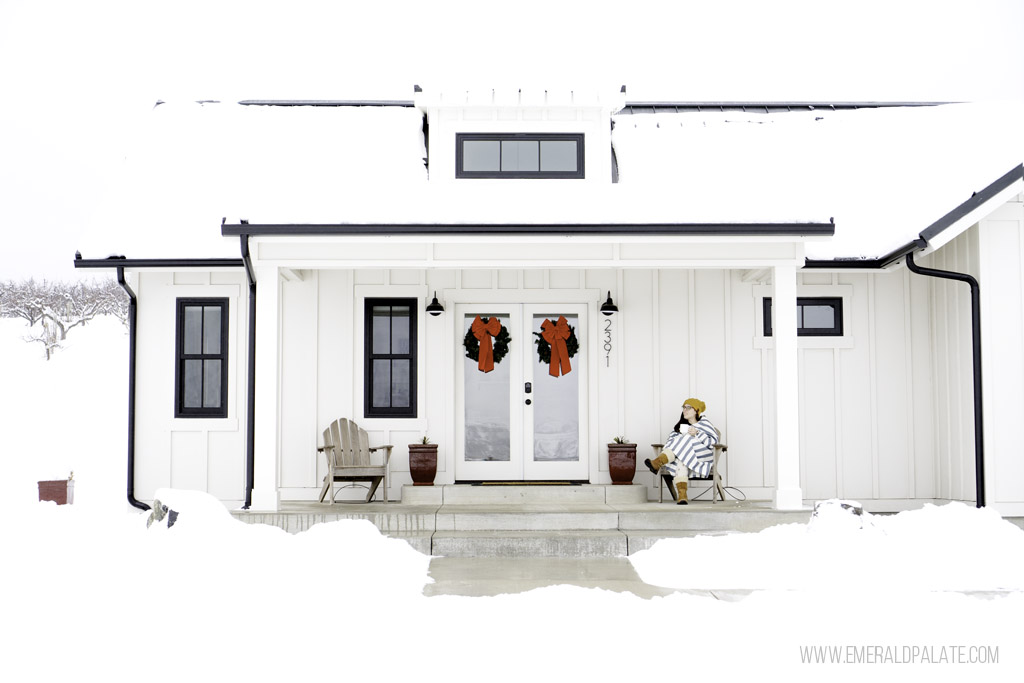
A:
390	365
519	155
201	352
816	316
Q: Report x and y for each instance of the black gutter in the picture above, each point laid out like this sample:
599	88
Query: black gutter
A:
122	262
979	441
873	263
132	341
737	229
250	407
760	107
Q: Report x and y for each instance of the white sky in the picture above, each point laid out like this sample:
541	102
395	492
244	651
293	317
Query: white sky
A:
76	73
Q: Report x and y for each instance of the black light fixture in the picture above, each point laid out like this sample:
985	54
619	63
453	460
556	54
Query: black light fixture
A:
609	307
435	307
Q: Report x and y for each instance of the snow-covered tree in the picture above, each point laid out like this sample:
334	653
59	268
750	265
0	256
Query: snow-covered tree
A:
59	307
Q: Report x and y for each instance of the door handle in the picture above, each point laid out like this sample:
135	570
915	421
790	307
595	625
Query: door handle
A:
529	388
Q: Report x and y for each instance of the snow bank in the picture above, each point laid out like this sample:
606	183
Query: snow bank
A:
939	548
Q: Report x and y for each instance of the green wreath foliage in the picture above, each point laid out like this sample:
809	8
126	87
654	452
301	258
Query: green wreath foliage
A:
500	344
572	345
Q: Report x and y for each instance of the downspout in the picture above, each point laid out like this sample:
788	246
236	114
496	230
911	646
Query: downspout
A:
250	406
132	340
979	446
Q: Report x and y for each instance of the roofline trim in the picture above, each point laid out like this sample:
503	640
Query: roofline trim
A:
328	103
739	229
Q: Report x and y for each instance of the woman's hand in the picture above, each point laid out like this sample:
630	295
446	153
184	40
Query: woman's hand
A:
692	431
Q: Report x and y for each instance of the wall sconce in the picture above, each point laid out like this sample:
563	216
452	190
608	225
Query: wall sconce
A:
434	307
609	307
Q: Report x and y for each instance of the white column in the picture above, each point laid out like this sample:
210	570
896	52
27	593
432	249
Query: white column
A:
265	495
788	495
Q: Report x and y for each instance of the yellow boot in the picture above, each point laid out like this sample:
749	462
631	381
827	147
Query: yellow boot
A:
655	465
681	497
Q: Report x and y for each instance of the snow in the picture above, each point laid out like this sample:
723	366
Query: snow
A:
90	592
883	175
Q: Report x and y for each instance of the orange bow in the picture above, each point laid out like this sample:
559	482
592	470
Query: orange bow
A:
483	331
555	334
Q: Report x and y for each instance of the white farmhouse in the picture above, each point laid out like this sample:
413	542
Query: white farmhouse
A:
296	262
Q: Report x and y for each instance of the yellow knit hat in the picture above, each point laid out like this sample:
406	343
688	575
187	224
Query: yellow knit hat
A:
696	404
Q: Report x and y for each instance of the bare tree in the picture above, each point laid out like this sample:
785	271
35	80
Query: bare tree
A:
61	306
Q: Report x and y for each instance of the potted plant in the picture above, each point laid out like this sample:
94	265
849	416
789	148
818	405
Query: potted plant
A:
423	462
622	460
60	491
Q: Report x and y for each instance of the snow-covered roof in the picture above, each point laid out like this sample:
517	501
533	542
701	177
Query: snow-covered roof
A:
883	174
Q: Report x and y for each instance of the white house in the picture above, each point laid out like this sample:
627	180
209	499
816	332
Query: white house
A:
764	258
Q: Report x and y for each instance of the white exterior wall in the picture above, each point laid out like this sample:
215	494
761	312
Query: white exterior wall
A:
187	453
1000	244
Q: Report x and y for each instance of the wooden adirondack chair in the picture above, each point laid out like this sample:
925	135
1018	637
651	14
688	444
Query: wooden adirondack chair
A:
347	448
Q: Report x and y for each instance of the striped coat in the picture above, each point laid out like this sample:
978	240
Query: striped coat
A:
696	453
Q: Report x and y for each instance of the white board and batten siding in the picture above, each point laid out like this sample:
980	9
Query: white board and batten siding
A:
204	454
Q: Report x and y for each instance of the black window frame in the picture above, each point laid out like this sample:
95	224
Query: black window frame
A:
835	301
578	138
180	410
369	410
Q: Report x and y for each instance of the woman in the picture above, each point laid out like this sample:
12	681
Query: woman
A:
686	450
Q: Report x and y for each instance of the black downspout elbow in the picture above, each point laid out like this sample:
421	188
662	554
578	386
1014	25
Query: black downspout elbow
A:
979	443
132	340
250	407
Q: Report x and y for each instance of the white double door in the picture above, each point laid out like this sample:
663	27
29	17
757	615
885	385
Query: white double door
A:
520	422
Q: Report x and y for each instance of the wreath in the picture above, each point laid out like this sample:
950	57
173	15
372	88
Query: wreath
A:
572	345
500	343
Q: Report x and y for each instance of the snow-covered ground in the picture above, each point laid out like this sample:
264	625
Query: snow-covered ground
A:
89	592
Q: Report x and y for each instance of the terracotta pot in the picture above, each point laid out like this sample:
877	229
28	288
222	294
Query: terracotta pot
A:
60	491
622	462
423	463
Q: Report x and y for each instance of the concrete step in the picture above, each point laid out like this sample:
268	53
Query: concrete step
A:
585	494
526	517
578	543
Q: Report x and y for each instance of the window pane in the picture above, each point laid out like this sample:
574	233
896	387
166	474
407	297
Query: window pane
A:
381	329
193	384
519	155
400	329
480	155
558	155
193	329
381	397
818	317
211	329
211	384
400	384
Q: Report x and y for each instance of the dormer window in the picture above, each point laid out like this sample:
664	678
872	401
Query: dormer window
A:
519	155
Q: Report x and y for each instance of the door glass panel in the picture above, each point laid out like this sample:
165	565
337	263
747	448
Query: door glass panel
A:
488	414
556	408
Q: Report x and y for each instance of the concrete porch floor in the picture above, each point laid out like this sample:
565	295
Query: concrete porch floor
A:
533	522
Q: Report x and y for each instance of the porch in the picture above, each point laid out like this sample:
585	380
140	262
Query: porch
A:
585	521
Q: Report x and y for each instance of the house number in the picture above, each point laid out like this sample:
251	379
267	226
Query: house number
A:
608	342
